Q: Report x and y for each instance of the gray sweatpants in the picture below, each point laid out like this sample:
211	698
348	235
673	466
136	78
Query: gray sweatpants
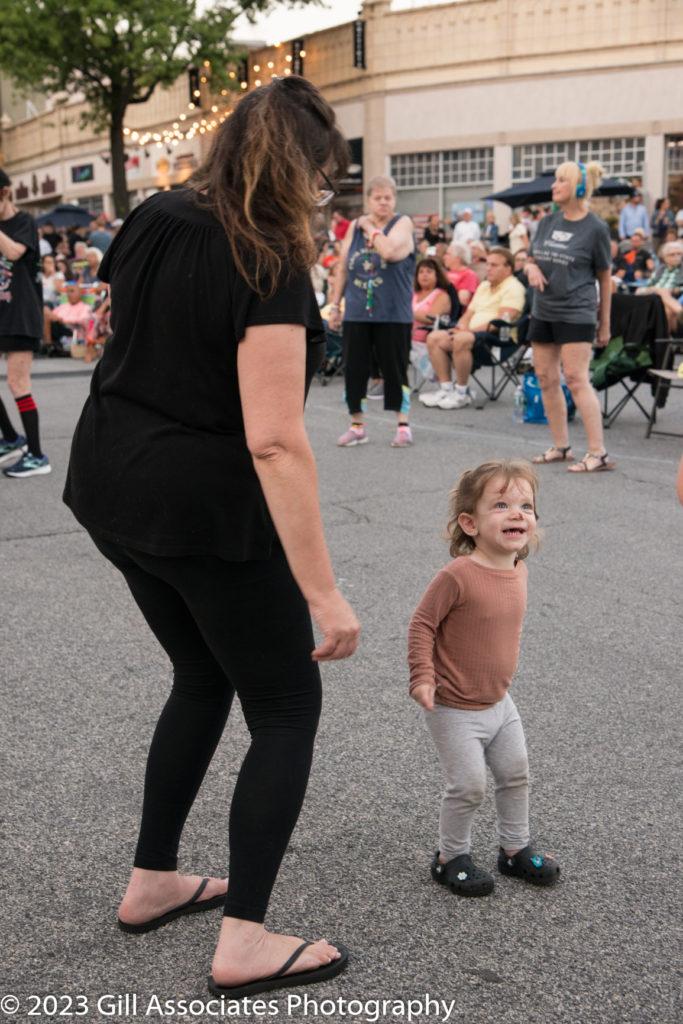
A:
466	742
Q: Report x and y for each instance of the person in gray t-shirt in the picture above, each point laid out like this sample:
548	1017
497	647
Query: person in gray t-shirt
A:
570	253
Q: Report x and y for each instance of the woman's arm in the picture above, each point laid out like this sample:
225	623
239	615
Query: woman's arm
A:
395	246
273	411
441	304
604	313
10	249
339	280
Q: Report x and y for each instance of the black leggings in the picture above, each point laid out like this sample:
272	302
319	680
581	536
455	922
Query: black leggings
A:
390	344
228	627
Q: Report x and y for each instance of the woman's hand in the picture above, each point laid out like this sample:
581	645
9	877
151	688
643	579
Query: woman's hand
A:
535	276
604	335
339	626
366	224
334	320
424	695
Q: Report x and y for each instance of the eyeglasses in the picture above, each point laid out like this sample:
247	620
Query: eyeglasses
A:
325	195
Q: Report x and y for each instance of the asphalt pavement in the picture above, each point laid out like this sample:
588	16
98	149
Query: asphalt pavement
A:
598	688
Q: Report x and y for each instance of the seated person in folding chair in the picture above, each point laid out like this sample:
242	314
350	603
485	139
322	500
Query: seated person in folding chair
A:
637	263
430	297
499	297
667	282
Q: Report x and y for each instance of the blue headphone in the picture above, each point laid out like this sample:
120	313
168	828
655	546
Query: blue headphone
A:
581	187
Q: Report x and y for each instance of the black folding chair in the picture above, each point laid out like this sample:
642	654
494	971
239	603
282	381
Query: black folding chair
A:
641	321
665	379
506	358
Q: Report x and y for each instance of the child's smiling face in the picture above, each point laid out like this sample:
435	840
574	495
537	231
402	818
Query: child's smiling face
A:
504	520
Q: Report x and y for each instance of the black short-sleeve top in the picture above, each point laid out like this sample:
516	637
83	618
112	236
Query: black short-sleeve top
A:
159	460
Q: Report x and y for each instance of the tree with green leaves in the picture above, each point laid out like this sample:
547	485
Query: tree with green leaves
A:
116	52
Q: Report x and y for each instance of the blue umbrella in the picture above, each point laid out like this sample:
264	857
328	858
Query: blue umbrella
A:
540	190
66	216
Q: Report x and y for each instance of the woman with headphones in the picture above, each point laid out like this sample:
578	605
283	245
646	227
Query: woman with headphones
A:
571	250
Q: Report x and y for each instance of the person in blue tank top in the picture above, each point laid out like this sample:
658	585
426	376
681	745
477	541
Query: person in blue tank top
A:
376	271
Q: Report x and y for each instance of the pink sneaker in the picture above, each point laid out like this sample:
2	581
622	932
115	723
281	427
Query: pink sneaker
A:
352	437
403	437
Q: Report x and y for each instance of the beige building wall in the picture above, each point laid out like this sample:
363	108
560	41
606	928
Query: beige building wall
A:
475	73
499	73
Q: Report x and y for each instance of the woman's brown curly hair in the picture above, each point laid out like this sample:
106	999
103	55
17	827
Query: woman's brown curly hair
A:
260	178
467	492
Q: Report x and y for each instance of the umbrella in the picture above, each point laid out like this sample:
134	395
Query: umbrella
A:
540	190
66	216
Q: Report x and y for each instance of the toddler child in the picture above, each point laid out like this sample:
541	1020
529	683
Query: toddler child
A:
463	647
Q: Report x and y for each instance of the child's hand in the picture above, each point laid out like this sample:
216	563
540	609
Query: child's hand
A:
424	695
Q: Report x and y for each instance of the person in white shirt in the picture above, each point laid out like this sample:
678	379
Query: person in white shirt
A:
466	230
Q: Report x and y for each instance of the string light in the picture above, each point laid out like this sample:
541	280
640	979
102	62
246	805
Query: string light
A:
271	64
257	82
257	67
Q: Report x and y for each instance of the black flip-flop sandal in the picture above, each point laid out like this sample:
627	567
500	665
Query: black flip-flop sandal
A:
462	876
529	866
191	907
283	980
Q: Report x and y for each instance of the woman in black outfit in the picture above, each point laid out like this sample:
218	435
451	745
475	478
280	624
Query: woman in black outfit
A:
192	471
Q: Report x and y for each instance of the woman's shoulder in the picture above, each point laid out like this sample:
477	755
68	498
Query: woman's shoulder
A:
597	222
182	204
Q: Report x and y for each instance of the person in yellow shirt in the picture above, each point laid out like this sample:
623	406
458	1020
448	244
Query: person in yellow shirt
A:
499	297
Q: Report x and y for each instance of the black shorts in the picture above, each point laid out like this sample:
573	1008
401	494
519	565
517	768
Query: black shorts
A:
549	332
481	350
18	343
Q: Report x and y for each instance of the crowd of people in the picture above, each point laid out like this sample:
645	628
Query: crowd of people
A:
467	280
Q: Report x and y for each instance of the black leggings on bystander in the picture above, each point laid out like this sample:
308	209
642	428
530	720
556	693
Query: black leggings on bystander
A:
228	627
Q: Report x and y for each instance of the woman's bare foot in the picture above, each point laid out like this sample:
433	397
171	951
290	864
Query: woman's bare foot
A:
247	952
153	893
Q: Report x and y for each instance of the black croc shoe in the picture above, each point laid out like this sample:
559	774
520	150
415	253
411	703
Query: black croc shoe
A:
529	866
462	876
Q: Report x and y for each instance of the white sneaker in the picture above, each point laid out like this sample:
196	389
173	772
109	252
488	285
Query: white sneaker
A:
455	400
433	398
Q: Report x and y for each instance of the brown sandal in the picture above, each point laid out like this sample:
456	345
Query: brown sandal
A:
602	464
561	455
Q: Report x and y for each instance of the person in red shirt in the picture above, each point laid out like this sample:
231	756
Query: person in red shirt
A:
339	225
457	262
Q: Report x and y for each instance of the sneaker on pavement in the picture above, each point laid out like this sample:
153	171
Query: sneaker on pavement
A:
29	465
10	449
352	437
403	438
455	400
376	390
433	398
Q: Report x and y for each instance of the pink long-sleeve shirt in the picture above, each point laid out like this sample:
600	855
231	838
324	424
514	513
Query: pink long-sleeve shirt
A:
464	636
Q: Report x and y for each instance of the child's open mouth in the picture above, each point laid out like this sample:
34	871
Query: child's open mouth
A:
514	531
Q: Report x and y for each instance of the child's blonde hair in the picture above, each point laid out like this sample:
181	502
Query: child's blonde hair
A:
467	492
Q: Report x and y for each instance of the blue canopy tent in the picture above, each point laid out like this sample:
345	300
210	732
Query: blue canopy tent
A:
66	216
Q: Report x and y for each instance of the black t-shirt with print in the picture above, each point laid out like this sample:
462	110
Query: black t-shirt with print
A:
159	460
21	294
